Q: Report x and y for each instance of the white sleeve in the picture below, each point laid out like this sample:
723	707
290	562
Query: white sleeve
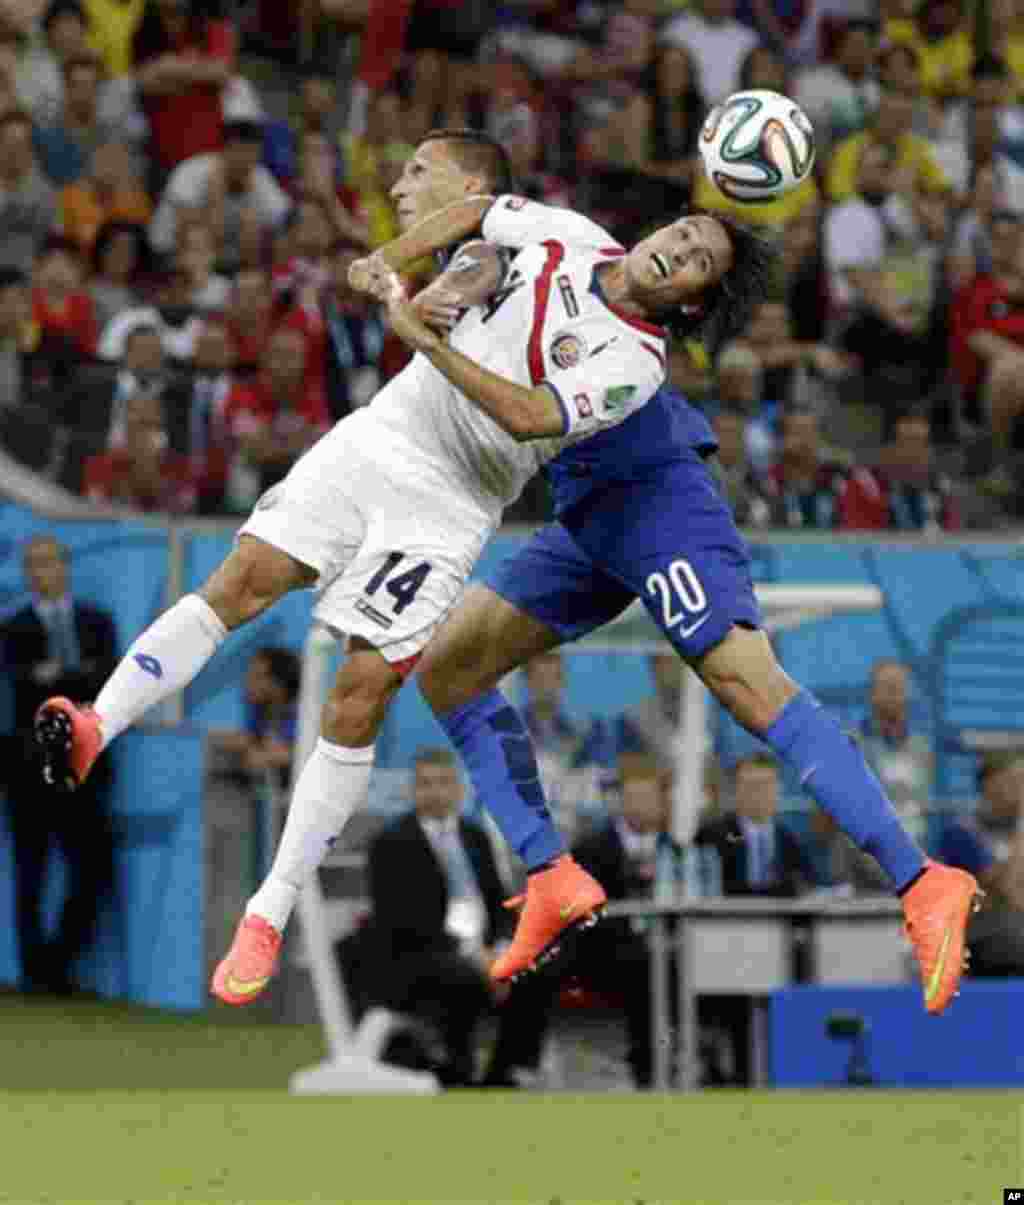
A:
607	375
271	200
516	222
187	185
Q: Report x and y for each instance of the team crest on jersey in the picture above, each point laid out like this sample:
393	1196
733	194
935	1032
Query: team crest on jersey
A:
567	350
516	202
583	407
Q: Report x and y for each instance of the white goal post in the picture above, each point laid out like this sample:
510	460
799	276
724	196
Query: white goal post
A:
353	1065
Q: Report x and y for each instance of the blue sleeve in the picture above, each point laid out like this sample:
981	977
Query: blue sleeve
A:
960	846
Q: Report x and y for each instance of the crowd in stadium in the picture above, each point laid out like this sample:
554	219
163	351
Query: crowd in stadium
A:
183	186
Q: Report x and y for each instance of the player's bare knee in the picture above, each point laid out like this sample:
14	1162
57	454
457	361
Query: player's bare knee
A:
253	578
744	675
358	701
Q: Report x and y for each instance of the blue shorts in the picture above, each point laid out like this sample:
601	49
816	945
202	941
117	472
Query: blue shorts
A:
669	540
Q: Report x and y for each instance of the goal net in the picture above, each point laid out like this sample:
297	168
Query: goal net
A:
354	1063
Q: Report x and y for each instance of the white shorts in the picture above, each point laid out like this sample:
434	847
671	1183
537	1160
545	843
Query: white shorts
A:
392	556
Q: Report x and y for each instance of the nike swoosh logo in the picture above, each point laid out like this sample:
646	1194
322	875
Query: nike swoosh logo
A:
686	633
940	966
245	987
568	909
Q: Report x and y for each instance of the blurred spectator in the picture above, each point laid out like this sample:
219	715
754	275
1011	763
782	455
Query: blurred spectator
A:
98	407
971	252
374	162
209	438
110	192
194	259
40	74
1006	40
59	303
881	251
910	159
519	131
759	855
437	914
785	360
318	112
308	236
838	96
987	335
804	487
990	92
66	147
990	846
250	318
740	386
651	726
903	491
317	183
940	36
55	645
112	28
142	472
118	261
717	42
898	751
28	204
222	186
628	856
273	419
267	740
183	60
36	370
801	279
443	38
348	351
731	469
763	68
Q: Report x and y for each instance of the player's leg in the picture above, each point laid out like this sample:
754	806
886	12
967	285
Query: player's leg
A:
745	677
682	553
167	656
330	786
547	593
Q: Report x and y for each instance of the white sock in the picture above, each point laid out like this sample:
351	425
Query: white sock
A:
333	783
166	657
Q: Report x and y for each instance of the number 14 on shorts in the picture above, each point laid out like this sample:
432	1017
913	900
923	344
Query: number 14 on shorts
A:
403	586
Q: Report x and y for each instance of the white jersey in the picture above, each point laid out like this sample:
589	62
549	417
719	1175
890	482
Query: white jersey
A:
548	323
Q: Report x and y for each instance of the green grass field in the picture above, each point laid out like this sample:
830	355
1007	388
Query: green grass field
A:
107	1103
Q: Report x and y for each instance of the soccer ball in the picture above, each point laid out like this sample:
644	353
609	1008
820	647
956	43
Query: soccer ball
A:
757	145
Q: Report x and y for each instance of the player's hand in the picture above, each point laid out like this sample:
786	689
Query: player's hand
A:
437	308
404	320
367	274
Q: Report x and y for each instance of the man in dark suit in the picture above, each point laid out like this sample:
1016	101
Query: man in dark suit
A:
55	646
437	913
628	857
759	855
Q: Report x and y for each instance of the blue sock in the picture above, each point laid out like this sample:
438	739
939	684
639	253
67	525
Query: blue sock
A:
498	754
832	768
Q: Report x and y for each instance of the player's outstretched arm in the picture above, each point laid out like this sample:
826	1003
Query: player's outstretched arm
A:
440	230
524	413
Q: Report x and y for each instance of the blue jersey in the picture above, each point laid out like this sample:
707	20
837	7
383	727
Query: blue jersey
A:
668	429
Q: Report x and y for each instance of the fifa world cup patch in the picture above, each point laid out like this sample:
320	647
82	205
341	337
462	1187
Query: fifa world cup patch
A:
516	202
567	350
583	407
617	397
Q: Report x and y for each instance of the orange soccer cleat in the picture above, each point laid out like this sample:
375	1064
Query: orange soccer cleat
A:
70	739
560	900
936	910
247	967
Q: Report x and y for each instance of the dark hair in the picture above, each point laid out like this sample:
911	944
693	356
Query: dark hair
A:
15	117
63	8
59	244
726	307
150	39
243	129
989	66
11	277
477	153
284	666
112	230
433	755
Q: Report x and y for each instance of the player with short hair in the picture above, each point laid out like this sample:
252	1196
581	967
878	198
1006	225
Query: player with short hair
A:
388	512
638	516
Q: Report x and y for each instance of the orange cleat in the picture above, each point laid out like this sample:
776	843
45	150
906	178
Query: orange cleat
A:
936	910
559	901
70	739
247	967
